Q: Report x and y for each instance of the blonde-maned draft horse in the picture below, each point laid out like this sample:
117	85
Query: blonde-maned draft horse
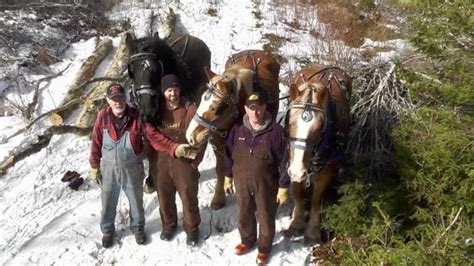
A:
222	104
317	123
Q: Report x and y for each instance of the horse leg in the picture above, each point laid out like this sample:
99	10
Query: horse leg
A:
297	223
218	200
320	182
150	153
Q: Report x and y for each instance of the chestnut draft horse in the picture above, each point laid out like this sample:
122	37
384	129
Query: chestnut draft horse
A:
222	104
317	122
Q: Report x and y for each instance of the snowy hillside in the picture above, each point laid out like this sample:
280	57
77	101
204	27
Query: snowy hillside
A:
43	221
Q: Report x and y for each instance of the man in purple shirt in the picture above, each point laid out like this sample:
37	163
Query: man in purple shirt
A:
255	158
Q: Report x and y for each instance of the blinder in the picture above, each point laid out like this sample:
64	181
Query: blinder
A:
135	92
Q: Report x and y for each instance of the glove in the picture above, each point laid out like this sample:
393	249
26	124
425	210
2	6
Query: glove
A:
186	151
282	196
228	185
96	177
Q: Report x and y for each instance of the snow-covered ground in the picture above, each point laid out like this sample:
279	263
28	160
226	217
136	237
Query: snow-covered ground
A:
43	221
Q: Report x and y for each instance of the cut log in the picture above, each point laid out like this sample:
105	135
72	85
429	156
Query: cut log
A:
92	105
86	72
39	143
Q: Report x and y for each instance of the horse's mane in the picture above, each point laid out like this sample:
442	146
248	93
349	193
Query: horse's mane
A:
307	86
243	77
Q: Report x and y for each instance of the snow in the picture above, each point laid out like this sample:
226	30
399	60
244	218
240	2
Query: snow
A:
43	221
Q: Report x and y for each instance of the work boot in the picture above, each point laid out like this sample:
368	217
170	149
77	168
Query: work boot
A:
241	249
107	240
262	258
140	237
167	235
192	239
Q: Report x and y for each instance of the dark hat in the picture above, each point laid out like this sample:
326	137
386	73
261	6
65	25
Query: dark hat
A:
115	90
254	100
169	81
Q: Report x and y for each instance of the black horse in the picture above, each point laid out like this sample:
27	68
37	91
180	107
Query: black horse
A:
152	57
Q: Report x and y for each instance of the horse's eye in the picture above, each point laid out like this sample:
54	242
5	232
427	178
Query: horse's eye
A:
207	96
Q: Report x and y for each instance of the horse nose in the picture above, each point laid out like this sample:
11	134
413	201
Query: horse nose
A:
296	177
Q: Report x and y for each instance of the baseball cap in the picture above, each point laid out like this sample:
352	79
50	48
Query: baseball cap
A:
254	100
115	90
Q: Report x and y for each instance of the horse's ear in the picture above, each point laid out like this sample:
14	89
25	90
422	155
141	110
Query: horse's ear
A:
322	95
130	41
156	36
209	73
293	91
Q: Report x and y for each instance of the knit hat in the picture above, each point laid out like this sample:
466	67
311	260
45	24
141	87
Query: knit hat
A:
254	100
169	81
115	90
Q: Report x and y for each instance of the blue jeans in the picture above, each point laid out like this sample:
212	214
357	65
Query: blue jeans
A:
121	169
111	188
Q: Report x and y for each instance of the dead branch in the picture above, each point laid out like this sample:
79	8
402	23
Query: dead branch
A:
71	104
31	106
382	101
40	142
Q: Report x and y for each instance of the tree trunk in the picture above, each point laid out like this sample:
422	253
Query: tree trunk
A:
93	102
86	72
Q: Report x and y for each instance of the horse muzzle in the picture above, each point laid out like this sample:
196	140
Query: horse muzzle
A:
297	175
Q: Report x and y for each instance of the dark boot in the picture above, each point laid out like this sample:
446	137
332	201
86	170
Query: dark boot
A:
107	240
167	235
140	237
192	239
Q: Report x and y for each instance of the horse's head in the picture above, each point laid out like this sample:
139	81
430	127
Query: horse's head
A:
146	70
218	108
305	123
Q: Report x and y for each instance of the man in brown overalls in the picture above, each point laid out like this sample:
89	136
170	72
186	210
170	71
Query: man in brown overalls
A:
256	158
178	169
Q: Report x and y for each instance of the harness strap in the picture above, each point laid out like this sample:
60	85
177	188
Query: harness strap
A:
180	56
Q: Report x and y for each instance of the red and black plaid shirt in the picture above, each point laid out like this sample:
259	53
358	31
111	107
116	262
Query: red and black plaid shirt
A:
136	128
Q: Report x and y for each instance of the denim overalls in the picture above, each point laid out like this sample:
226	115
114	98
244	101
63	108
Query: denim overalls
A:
121	170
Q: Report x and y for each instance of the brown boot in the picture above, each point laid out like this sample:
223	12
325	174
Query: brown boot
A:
140	237
241	249
262	258
107	240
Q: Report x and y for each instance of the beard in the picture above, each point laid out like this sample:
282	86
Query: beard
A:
118	110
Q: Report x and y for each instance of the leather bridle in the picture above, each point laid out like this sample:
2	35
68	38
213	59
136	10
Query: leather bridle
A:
230	99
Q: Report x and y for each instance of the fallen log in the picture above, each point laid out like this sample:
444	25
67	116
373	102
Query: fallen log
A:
86	72
40	142
89	111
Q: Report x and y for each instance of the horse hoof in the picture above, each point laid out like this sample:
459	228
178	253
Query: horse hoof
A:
311	241
293	232
148	189
217	205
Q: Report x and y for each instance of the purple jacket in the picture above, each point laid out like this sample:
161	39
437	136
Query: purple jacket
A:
276	143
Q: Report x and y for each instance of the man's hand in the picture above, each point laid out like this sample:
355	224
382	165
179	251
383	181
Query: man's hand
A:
228	185
282	196
96	177
186	151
